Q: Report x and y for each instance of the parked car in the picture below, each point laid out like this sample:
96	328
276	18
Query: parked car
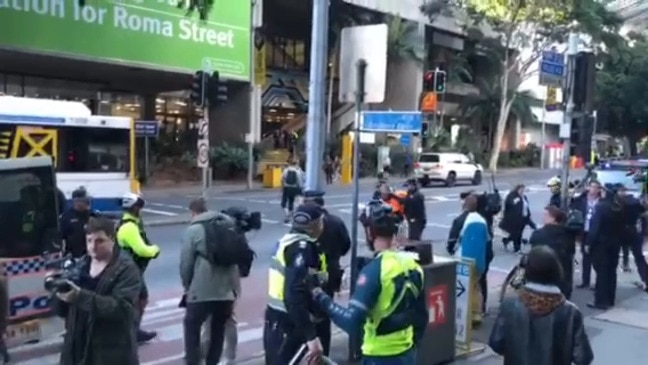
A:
448	168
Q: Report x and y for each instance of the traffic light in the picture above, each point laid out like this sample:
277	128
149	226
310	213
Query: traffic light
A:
217	90
199	89
425	129
584	81
440	82
428	81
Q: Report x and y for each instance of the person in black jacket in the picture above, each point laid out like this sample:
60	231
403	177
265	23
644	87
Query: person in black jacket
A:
517	215
73	222
604	244
555	235
415	213
335	242
587	203
635	226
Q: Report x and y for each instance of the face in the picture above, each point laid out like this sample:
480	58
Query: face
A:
594	189
319	227
521	189
80	204
99	245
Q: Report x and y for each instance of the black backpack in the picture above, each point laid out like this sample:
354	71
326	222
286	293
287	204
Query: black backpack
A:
291	178
226	246
575	220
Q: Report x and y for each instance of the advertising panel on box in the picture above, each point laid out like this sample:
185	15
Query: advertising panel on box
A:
151	34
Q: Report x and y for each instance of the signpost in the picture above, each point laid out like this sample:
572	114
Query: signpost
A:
203	152
463	309
147	129
405	140
552	69
391	122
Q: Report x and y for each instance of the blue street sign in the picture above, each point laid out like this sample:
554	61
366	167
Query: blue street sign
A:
552	68
405	139
391	122
147	128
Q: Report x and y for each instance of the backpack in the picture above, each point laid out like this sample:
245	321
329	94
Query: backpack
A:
493	203
575	220
226	246
291	179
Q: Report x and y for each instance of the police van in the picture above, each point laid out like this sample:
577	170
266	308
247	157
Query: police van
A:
28	240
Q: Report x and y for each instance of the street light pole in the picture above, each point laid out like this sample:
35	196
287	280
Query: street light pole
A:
315	126
565	128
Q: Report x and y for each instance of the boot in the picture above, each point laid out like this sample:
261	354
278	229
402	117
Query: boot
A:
144	336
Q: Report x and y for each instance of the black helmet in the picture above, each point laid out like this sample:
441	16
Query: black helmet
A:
382	220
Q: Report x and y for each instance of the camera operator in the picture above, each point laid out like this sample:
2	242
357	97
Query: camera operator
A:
604	244
99	308
414	204
132	238
335	242
73	223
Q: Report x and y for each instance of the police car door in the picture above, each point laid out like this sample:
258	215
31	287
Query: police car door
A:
28	211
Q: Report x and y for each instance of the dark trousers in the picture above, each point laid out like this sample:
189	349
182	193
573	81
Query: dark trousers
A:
416	229
195	315
288	196
483	287
634	244
605	260
586	264
515	236
280	343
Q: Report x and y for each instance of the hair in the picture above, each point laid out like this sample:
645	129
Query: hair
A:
470	203
556	213
543	267
518	187
100	224
198	205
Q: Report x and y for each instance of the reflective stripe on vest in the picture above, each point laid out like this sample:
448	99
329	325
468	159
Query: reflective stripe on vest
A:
277	272
392	266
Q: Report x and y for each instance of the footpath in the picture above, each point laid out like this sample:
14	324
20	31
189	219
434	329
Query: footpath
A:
617	336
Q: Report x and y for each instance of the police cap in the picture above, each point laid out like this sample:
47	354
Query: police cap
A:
306	214
315	196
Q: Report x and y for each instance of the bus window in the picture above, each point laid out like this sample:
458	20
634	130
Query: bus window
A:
28	212
83	149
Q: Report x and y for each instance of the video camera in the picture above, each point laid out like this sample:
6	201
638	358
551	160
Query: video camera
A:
245	221
65	268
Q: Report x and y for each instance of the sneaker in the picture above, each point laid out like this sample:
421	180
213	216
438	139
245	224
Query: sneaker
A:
144	336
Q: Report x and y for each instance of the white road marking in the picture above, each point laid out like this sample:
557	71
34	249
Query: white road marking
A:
160	212
167	206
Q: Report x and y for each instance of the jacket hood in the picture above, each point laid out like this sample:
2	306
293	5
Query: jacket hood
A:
540	299
207	216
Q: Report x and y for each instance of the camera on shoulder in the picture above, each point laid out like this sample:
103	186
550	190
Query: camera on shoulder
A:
65	269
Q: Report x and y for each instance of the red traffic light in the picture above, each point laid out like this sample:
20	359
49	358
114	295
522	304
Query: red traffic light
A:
429	75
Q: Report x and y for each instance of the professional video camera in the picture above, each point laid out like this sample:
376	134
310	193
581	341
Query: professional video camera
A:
245	221
489	203
66	268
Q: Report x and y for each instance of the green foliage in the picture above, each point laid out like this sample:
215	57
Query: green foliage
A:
403	40
229	159
621	91
527	157
438	141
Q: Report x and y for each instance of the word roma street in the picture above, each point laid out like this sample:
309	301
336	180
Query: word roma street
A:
120	17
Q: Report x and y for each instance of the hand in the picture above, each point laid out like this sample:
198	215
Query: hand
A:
71	295
315	351
586	249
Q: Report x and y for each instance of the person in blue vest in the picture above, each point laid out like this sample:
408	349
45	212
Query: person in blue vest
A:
388	304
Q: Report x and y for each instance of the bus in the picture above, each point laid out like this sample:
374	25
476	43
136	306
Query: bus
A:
96	152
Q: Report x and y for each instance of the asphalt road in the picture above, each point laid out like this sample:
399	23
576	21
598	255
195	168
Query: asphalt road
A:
162	276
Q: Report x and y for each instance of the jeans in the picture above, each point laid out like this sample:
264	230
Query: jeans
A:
218	312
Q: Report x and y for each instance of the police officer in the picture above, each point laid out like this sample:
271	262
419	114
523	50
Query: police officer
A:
291	315
414	204
554	186
131	237
73	222
635	226
607	227
335	242
389	301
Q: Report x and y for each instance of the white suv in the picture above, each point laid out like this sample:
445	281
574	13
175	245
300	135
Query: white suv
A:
447	168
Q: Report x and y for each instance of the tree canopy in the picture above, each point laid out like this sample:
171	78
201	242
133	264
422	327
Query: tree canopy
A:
515	32
622	92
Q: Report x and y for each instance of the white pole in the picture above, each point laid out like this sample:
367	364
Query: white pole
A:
543	136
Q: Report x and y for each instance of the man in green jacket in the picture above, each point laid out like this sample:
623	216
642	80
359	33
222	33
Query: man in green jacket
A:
131	237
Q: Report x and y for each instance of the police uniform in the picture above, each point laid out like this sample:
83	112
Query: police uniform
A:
388	304
335	242
132	238
73	222
291	315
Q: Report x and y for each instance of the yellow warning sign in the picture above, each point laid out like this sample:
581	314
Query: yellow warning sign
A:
31	142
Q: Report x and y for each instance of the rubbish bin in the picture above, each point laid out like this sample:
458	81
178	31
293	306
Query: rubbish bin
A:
438	343
272	177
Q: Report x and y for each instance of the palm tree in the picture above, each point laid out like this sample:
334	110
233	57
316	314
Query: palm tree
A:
404	42
483	108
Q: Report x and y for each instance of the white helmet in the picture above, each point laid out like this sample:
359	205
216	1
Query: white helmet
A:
554	181
128	200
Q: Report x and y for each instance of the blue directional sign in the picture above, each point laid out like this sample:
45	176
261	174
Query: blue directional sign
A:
391	122
552	68
147	128
405	139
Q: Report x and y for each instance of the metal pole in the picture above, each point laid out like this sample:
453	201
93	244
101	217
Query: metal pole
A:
205	170
565	128
543	131
253	102
146	157
360	94
317	87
